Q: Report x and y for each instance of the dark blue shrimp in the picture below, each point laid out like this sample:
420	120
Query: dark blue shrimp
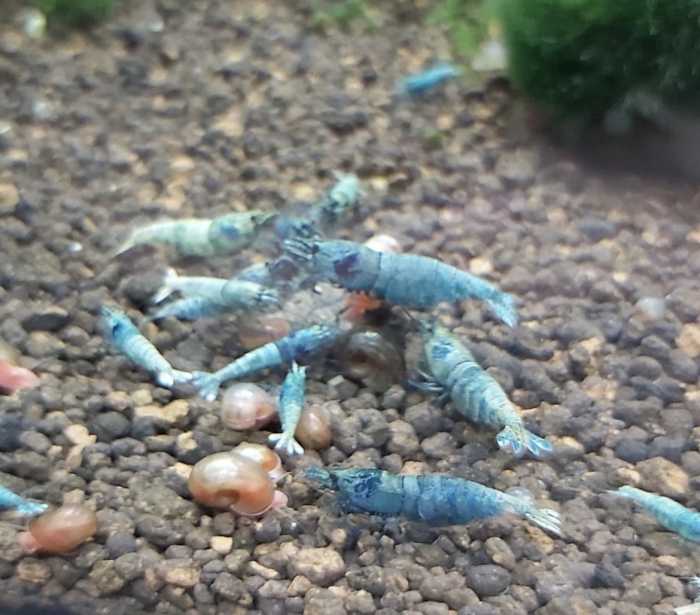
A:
408	280
667	512
295	346
474	392
433	499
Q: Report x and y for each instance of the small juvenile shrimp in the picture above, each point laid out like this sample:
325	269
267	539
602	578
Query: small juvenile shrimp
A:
419	83
125	336
341	198
433	499
217	296
203	237
291	405
293	347
188	286
9	499
407	280
474	392
669	513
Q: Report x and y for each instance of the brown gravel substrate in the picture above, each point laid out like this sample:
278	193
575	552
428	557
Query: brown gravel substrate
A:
235	105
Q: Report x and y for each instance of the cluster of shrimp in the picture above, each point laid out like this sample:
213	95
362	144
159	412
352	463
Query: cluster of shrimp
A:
377	274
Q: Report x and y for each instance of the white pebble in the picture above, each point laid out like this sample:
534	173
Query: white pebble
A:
652	307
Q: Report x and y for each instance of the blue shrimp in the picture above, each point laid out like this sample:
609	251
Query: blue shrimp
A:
217	297
436	500
9	499
407	280
341	198
474	392
420	83
295	346
291	405
203	237
669	513
125	336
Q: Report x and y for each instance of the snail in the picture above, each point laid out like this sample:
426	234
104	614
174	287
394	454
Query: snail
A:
370	357
263	456
60	530
232	481
247	406
313	430
257	331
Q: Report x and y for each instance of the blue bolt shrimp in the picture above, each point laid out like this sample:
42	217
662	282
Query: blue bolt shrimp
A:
341	198
9	499
420	83
125	336
474	392
213	296
291	405
293	347
407	280
669	513
203	237
436	500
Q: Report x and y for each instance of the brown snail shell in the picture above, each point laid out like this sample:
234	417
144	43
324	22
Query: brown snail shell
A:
246	406
260	330
314	428
60	530
232	481
264	456
369	356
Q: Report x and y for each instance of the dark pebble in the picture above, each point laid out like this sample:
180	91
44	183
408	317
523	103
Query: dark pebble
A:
576	331
534	377
638	412
109	426
648	367
478	609
607	575
611	329
120	543
159	532
667	331
631	450
10	430
596	229
127	447
52	318
654	346
671	391
680	365
665	446
488	580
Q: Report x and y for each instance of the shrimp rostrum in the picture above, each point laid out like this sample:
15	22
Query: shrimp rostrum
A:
669	513
475	394
293	347
436	500
408	280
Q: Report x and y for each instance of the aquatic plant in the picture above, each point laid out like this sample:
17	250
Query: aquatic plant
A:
586	57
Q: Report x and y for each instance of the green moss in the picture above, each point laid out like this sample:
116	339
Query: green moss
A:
342	14
583	57
465	20
73	13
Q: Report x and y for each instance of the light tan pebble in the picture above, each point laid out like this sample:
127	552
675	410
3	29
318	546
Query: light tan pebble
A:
221	544
541	539
142	397
299	586
9	197
664	477
321	566
177	412
33	571
499	552
689	340
480	266
79	434
568	449
180	573
360	602
626	476
320	601
266	573
274	589
104	580
414	468
185	442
